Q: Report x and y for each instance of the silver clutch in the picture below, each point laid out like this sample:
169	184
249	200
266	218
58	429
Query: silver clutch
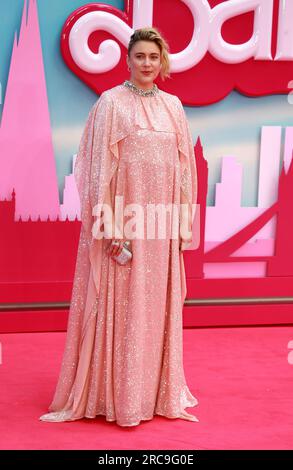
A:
125	254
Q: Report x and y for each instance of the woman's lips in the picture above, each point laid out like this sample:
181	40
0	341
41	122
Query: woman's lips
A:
146	73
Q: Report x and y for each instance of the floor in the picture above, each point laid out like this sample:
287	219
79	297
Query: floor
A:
242	377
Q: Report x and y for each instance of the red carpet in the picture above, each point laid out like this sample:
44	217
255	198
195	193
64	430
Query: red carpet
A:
241	376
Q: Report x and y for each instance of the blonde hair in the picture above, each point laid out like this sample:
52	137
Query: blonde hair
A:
153	34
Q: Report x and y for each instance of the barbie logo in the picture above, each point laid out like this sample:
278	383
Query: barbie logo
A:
207	36
88	54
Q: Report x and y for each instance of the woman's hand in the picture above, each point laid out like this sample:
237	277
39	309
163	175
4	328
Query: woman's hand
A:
116	246
184	244
185	228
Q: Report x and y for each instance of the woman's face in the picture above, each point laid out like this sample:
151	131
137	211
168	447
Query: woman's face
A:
144	57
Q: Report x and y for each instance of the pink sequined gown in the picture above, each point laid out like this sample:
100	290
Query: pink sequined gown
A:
124	354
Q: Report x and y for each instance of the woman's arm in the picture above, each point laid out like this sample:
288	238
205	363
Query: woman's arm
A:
108	216
111	230
185	222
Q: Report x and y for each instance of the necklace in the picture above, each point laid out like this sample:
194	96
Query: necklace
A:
152	92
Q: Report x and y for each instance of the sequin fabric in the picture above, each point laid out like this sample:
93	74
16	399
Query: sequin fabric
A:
123	356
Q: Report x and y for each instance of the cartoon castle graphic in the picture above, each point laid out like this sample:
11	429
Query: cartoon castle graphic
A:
39	236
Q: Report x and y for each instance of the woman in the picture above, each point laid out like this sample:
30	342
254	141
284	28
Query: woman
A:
123	353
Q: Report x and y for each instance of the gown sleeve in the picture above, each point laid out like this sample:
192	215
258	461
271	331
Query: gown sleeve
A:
96	161
189	181
95	165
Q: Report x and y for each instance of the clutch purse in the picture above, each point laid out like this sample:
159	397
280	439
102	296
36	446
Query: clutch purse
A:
125	254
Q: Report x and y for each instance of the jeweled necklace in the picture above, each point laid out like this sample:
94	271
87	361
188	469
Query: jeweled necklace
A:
152	92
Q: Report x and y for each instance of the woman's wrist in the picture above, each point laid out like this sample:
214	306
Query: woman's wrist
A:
184	243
